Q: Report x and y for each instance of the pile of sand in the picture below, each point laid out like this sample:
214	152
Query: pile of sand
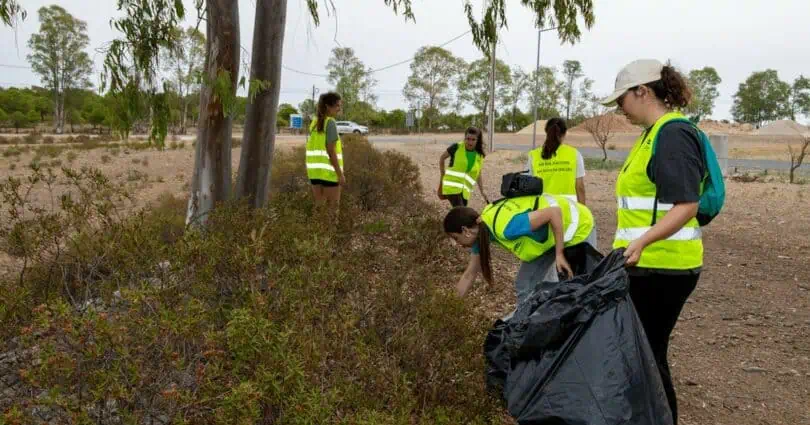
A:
618	124
541	128
783	128
712	126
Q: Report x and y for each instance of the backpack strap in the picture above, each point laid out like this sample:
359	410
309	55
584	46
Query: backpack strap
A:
655	142
498	211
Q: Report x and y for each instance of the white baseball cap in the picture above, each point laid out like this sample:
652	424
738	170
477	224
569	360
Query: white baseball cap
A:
634	74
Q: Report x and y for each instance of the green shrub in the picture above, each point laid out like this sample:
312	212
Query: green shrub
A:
105	159
72	156
280	314
31	138
599	164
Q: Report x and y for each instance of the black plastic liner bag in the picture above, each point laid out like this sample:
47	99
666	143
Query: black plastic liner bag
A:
575	353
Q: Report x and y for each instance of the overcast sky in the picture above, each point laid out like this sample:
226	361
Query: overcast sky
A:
736	37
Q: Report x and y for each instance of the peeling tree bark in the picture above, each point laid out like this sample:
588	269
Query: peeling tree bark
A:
211	181
258	143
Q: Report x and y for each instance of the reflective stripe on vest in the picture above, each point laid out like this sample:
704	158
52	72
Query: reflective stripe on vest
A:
641	203
319	167
635	200
559	173
576	218
571	229
456	179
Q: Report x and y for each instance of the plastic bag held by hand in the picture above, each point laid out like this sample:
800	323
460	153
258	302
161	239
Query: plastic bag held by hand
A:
575	353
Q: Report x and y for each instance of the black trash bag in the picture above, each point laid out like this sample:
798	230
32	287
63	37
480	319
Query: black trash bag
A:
583	258
577	355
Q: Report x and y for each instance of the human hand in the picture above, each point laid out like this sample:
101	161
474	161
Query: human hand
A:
563	266
632	253
342	180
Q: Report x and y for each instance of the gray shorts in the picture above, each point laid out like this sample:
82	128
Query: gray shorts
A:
542	269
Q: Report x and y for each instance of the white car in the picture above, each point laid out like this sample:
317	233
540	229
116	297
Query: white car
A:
344	127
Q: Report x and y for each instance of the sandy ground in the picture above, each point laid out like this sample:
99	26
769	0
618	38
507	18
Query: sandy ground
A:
741	146
741	352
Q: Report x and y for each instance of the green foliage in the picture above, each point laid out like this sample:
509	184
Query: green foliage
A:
136	316
762	97
284	112
703	83
58	55
433	72
565	17
599	164
350	77
9	11
474	86
800	97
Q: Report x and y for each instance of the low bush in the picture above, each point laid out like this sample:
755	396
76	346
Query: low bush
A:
287	314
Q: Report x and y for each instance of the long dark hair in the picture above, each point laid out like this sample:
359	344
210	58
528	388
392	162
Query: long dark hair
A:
479	143
672	88
326	100
468	217
555	130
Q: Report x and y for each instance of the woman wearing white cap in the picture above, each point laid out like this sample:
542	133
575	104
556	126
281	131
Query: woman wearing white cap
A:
658	190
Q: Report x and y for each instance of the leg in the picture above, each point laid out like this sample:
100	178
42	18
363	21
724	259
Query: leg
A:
530	274
456	200
658	300
317	192
332	194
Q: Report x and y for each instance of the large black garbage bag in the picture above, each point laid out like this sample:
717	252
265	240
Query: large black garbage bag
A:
583	258
577	354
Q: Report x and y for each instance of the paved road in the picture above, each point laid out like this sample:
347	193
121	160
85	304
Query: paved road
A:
746	164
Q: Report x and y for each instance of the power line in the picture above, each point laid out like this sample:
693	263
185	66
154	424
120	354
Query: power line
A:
371	71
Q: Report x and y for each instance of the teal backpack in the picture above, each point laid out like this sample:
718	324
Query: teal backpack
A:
714	187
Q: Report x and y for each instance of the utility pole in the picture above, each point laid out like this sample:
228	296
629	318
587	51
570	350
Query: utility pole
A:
315	104
491	124
537	84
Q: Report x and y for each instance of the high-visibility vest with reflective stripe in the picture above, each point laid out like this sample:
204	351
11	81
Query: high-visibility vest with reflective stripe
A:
559	173
456	179
577	223
318	165
636	200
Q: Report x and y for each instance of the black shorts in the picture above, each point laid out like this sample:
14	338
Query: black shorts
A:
457	200
319	182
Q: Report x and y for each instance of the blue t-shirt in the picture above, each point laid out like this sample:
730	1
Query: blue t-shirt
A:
517	227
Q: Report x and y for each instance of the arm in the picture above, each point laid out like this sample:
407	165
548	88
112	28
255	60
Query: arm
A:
543	216
332	137
442	159
470	273
581	190
481	188
554	215
333	159
580	182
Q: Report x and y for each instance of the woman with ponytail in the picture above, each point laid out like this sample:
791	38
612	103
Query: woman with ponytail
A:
561	167
466	160
325	151
658	191
536	229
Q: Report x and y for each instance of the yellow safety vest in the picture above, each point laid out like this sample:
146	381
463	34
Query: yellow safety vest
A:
318	165
636	195
577	221
559	173
456	179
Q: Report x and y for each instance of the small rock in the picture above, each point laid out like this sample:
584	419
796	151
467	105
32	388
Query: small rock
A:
793	372
691	383
754	369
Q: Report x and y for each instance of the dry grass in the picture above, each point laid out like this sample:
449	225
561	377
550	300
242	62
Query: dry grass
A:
751	306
